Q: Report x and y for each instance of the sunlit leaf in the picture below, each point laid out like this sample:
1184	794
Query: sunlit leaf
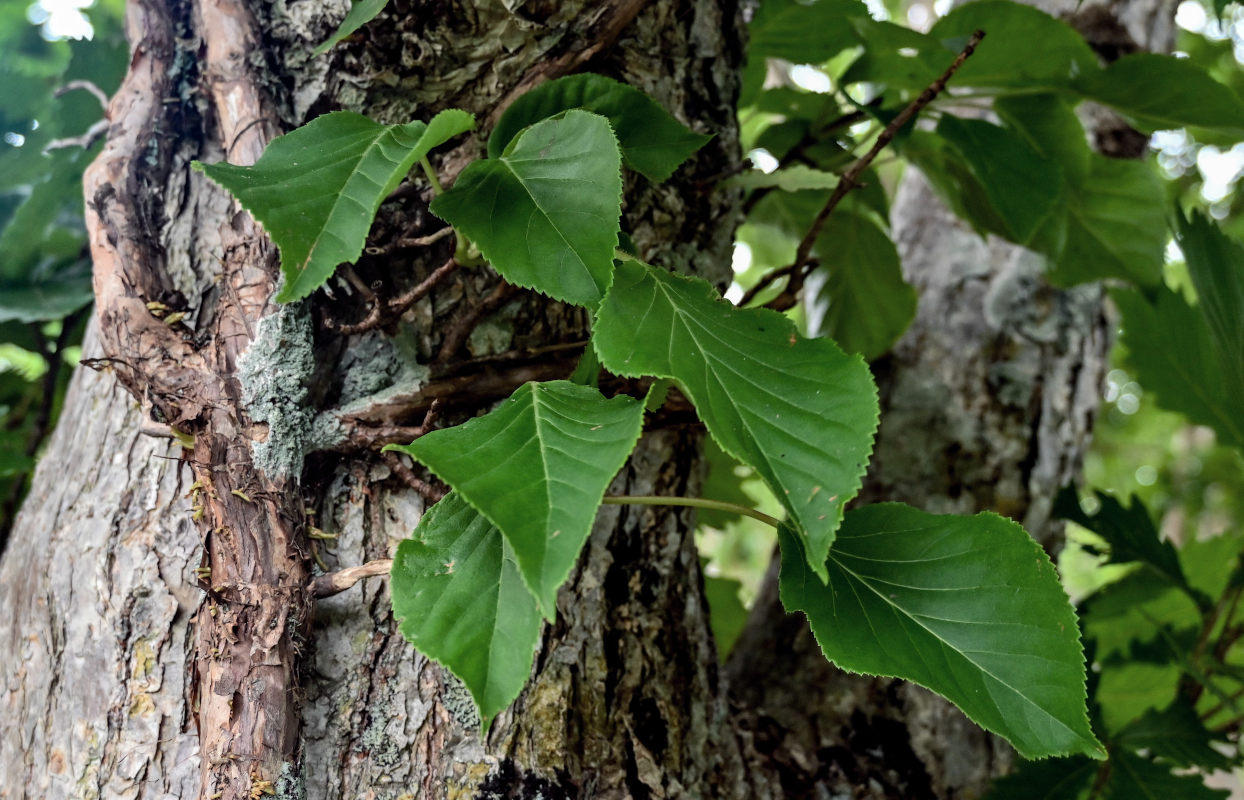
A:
316	189
969	607
795	178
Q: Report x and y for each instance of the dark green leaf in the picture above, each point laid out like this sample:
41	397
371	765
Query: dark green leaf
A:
1050	779
805	33
316	189
800	411
863	303
653	143
361	13
1128	612
1175	734
1051	127
1115	225
795	178
1216	265
1129	532
1171	348
969	607
1135	778
459	599
897	56
1022	186
1024	48
1159	91
537	467
545	213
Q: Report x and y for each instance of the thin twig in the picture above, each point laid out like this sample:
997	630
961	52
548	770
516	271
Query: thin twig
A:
397	306
462	327
97	92
332	583
424	489
850	178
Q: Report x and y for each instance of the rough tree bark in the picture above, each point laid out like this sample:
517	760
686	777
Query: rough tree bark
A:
160	639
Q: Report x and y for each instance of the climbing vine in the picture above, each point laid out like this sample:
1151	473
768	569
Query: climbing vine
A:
970	607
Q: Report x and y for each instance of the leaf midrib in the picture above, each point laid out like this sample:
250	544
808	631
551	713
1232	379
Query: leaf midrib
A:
900	610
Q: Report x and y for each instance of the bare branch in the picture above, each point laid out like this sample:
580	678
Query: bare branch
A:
337	582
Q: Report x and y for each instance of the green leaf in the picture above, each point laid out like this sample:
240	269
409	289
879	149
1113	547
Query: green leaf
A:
537	468
546	213
1025	48
361	12
799	411
1128	689
1129	611
1129	532
1216	265
459	599
795	178
1135	778
866	304
897	56
805	33
1051	779
1115	225
1175	734
1051	127
1022	186
969	607
316	189
1172	352
1159	91
726	614
653	143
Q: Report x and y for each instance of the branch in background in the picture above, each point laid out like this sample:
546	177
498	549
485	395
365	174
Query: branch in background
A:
849	181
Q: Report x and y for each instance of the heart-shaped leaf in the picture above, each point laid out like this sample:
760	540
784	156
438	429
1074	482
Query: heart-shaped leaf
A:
459	599
653	142
316	189
969	607
800	411
537	467
545	213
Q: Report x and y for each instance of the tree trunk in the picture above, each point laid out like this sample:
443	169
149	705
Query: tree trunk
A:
162	640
